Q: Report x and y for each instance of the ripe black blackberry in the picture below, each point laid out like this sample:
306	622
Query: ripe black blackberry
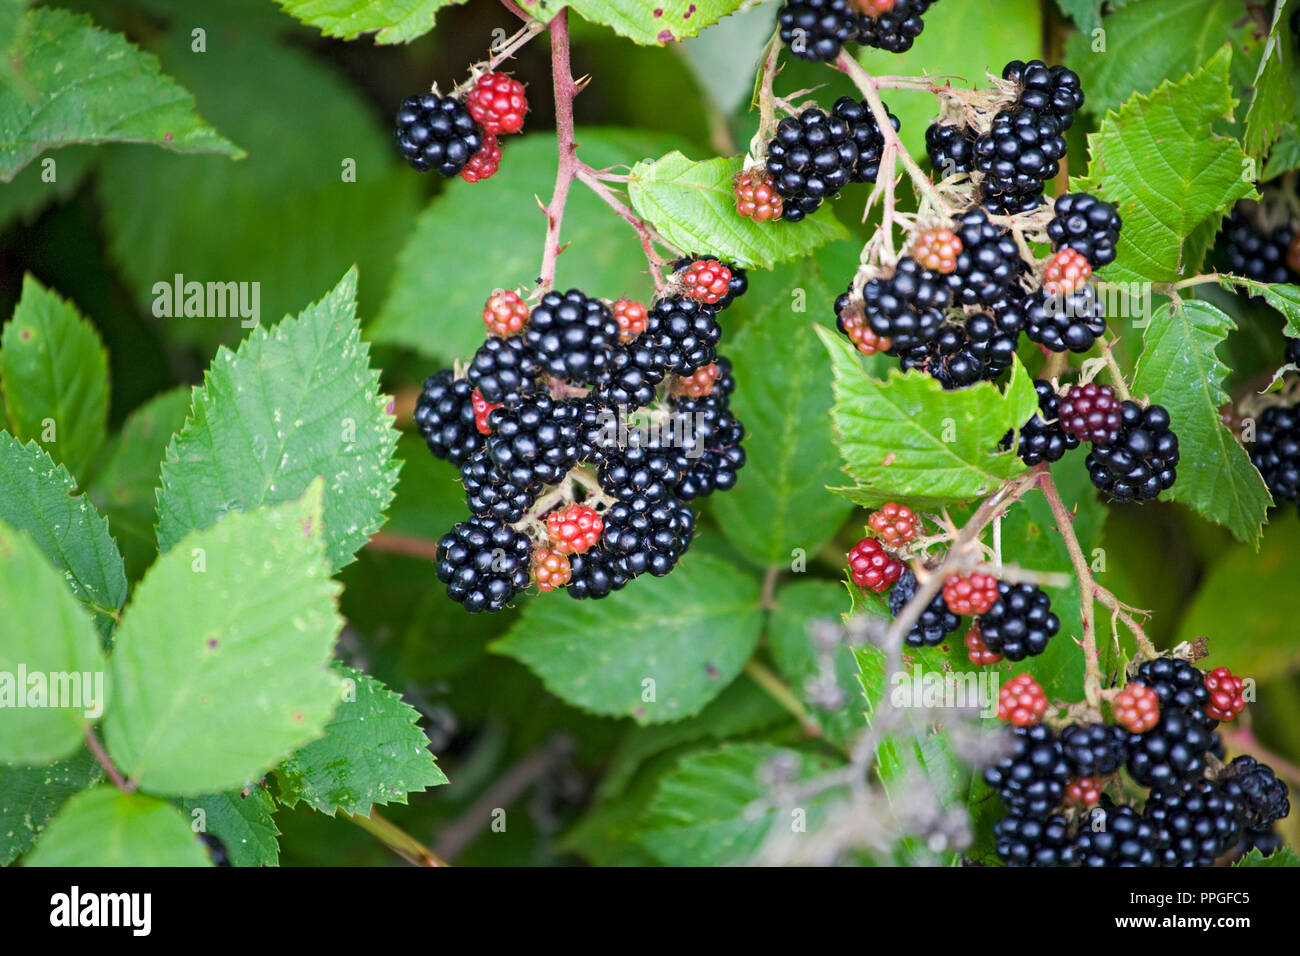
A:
504	371
537	442
216	849
906	308
595	574
1020	622
811	158
1276	451
1029	841
633	373
1254	252
1179	685
484	563
437	132
1065	322
1293	351
572	336
1042	438
1090	413
895	29
490	495
1087	225
647	536
444	416
865	132
1053	90
1262	797
710	455
816	29
1125	839
640	470
1142	461
951	149
738	286
936	621
684	332
1265	839
987	266
1170	752
1031	779
1019	154
1094	749
1194	823
962	354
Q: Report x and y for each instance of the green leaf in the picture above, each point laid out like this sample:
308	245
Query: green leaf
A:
49	638
1285	155
665	21
716	810
1273	105
293	403
54	372
1286	299
682	638
39	497
105	827
373	752
692	205
1284	856
1160	161
30	796
220	662
31	192
488	236
75	83
125	488
1180	370
243	821
907	438
397	21
784	400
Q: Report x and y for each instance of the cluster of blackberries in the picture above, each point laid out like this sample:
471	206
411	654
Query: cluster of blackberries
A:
580	429
1053	783
459	136
814	155
1252	249
1276	451
818	29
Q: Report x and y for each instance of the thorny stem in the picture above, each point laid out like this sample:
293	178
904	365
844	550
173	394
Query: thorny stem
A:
396	839
592	180
1116	375
565	90
105	761
516	9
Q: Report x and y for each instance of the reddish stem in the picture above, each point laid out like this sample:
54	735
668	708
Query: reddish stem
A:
105	761
565	90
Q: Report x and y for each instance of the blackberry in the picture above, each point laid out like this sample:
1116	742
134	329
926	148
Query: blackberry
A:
896	28
1028	841
1265	839
1178	685
1019	154
633	373
484	563
595	574
936	621
1256	253
951	149
1042	438
1087	225
684	332
866	134
1125	839
1090	413
444	416
1070	322
816	29
572	337
490	495
647	536
907	308
1195	823
1170	752
640	471
987	266
504	371
1053	90
1020	622
437	132
1262	797
811	158
1031	779
1276	452
964	354
1094	749
738	286
1142	461
711	455
536	443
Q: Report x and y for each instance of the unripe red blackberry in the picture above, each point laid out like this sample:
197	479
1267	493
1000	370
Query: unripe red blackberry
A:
505	313
893	524
756	196
698	384
574	529
976	649
498	103
850	320
1137	707
705	280
1083	792
1090	413
484	163
550	569
1067	271
631	317
1021	701
1226	701
970	594
872	568
937	250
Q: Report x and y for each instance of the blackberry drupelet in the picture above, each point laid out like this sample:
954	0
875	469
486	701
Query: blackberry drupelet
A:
572	336
936	621
684	332
866	134
1127	839
1262	797
444	416
640	471
1042	438
896	29
1087	225
1065	323
1194	823
1276	451
504	371
484	563
906	308
1170	752
1031	778
811	158
1053	90
1020	153
987	266
595	574
816	29
437	132
1029	841
1255	253
536	443
1142	461
648	536
1020	623
951	149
